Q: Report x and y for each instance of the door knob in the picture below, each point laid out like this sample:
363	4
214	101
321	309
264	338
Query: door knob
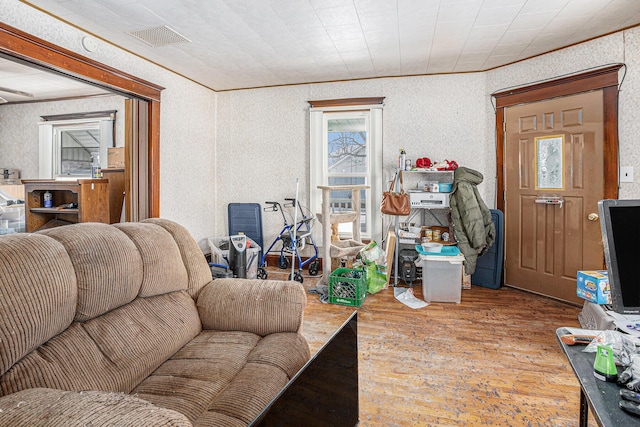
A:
593	216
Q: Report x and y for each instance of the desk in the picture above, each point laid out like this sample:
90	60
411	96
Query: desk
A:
599	396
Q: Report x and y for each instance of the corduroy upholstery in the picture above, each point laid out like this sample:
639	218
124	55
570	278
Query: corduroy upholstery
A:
131	308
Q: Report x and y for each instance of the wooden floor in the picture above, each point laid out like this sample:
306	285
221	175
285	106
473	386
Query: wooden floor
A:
493	359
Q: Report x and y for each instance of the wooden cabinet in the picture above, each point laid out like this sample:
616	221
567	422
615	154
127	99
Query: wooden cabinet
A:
116	192
89	198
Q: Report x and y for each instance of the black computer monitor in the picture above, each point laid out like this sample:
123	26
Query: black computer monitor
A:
620	223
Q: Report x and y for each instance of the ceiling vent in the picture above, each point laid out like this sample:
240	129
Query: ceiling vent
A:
159	36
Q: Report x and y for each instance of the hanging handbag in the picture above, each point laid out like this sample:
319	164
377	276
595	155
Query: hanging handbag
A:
395	203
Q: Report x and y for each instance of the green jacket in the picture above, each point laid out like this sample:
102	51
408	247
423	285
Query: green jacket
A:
472	224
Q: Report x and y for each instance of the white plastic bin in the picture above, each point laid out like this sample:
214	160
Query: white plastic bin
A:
15	217
220	254
442	278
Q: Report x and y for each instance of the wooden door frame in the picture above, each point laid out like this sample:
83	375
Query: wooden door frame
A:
605	78
33	50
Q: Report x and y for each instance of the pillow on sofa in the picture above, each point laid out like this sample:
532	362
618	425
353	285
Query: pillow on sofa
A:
38	295
107	265
162	267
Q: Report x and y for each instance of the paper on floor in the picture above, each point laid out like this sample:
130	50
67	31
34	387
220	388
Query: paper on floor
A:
406	296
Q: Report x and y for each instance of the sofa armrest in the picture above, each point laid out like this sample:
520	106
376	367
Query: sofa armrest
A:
44	407
262	307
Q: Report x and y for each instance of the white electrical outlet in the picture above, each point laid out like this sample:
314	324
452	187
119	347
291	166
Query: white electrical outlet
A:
626	174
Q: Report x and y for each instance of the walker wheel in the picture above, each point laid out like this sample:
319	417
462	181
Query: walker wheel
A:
297	276
262	273
283	263
314	268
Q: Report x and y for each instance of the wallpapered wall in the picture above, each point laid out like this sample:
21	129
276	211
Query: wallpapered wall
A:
19	128
187	131
263	134
450	116
621	47
251	145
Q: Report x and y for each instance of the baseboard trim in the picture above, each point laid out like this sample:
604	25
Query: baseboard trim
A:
272	259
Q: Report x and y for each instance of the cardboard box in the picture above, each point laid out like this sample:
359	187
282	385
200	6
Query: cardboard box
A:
115	158
594	286
466	281
9	176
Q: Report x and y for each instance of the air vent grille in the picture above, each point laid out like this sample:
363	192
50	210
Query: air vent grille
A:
159	36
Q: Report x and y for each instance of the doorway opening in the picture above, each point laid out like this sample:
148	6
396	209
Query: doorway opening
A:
142	120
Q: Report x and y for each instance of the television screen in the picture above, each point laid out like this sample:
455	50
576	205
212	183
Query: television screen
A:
620	222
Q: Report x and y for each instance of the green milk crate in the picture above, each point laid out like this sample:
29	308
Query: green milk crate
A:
346	290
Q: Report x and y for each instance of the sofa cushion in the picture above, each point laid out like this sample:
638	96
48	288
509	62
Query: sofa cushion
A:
107	265
54	408
113	352
287	351
38	294
194	376
252	305
250	392
162	267
209	419
192	256
204	379
69	361
146	332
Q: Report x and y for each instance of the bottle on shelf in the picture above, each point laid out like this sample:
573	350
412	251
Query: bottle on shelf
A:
48	200
402	158
96	170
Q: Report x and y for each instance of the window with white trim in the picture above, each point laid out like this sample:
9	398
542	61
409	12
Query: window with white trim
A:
346	149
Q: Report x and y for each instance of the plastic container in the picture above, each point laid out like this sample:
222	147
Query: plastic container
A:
219	271
431	247
444	187
346	290
415	230
15	216
220	254
441	278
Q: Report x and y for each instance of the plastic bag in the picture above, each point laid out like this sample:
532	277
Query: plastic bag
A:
622	345
376	280
372	253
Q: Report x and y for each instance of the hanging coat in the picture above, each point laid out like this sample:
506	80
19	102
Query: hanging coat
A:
472	224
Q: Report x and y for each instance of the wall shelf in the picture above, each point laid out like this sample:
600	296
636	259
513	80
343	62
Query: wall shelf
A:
90	195
439	176
54	210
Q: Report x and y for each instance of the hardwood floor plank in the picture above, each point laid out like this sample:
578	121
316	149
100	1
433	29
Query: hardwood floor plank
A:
493	359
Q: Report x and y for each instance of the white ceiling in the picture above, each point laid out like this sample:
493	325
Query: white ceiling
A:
254	43
22	83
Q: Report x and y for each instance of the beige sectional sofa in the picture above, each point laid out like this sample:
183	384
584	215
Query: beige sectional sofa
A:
122	325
